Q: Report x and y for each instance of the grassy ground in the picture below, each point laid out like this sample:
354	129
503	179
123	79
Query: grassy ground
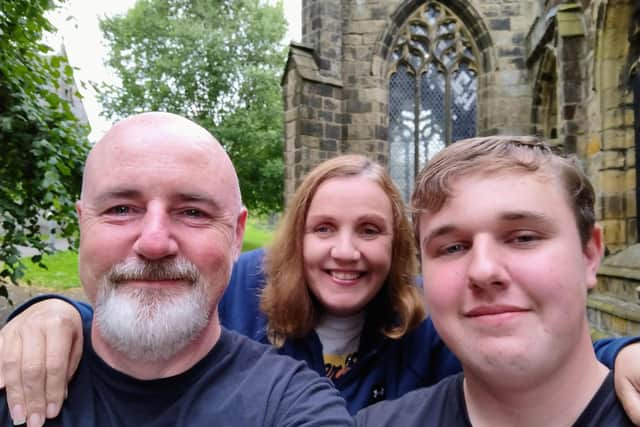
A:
257	234
62	271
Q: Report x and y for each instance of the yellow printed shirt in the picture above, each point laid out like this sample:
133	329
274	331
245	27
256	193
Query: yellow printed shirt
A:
336	365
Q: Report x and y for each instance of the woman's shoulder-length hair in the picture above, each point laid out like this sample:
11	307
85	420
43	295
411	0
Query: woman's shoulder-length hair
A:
291	309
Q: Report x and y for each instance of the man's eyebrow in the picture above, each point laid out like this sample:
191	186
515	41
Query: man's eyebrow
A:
505	216
440	231
198	198
127	193
525	215
117	193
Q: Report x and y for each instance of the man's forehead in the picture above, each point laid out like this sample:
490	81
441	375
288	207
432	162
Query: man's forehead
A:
190	172
165	123
453	185
157	131
118	163
462	195
152	152
157	141
153	142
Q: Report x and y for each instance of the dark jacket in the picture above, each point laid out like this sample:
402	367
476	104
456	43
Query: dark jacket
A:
385	369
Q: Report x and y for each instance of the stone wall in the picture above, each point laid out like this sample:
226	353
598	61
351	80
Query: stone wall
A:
610	149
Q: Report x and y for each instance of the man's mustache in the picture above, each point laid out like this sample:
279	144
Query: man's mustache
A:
168	269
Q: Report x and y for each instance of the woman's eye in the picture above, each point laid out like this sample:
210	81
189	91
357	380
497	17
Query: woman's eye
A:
323	229
370	231
453	249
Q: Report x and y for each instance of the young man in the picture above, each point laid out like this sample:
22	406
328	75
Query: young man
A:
509	249
161	223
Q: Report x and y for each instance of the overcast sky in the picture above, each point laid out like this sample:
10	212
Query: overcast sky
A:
77	23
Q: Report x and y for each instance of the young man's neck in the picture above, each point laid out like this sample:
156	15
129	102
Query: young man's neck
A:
554	398
184	360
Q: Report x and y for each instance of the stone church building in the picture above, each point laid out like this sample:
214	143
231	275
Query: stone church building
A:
398	80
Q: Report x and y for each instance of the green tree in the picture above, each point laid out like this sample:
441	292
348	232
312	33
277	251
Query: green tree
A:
42	143
216	62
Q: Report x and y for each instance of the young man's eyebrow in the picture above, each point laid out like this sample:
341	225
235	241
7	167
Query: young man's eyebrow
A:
440	231
537	217
525	215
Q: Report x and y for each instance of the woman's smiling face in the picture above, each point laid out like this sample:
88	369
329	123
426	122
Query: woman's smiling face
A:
347	245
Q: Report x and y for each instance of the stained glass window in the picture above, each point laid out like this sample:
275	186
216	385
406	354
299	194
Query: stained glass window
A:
432	90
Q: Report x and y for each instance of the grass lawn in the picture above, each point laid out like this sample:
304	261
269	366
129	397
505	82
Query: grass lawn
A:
62	267
256	235
61	272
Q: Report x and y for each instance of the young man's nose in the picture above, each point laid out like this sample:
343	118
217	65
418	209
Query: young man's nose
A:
485	268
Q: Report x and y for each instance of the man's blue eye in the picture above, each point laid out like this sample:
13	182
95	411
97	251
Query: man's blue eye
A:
119	210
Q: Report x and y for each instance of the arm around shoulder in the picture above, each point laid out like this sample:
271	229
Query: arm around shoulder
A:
85	310
312	401
40	349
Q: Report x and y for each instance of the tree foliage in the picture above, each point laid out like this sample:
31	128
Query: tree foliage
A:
42	144
216	62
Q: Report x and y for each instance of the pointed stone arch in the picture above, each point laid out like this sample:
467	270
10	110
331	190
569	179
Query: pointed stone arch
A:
432	70
618	193
544	114
462	9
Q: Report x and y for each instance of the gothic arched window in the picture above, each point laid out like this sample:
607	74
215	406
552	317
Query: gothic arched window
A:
545	100
432	90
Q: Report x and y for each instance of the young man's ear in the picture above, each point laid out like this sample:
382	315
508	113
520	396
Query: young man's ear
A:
593	252
79	208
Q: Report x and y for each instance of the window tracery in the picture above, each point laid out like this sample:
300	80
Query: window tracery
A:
433	85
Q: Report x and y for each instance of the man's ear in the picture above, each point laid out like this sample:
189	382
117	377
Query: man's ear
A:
241	223
593	252
79	208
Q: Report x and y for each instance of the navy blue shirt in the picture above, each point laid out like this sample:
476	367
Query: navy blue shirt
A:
239	383
444	405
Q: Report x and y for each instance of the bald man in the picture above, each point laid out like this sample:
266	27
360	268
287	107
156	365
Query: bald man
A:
161	223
